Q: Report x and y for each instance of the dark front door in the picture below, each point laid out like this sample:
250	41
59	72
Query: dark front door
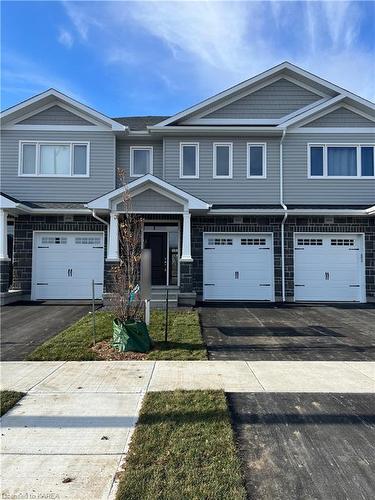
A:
157	242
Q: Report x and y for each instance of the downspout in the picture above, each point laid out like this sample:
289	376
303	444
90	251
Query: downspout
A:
99	219
284	219
103	222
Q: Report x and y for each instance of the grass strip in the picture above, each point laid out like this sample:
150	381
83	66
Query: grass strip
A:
183	447
74	344
8	399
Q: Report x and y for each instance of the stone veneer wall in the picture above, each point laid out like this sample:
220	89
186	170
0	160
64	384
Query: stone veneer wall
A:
273	225
23	240
4	275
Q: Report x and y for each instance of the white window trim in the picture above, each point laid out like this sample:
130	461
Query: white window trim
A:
37	144
230	173
325	147
147	148
264	148
196	176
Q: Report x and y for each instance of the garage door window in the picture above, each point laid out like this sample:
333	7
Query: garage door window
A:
342	242
87	240
220	241
54	240
309	241
253	241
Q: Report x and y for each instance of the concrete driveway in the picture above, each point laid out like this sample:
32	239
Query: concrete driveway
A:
290	332
25	325
305	446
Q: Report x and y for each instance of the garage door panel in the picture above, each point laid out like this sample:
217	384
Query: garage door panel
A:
65	265
328	267
241	270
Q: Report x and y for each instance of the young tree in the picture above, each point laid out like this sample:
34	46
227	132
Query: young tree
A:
125	300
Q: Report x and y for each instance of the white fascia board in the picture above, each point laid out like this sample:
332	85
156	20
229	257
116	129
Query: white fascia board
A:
6	203
233	121
370	210
333	130
65	99
104	202
296	211
224	130
312	112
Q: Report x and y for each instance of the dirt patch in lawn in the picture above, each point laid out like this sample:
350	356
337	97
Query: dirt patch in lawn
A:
105	351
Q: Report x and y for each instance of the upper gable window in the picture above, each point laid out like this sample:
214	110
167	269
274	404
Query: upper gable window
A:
256	160
141	159
222	155
189	160
341	160
54	159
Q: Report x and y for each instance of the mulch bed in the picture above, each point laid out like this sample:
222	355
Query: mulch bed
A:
105	351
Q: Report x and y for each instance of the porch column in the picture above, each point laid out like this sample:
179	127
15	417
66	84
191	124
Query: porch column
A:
4	259
186	238
3	235
113	238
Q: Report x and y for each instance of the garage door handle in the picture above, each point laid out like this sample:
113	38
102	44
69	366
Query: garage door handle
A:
299	285
264	284
354	286
42	283
209	284
70	272
208	248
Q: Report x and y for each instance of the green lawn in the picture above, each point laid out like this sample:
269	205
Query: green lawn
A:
73	344
182	447
8	399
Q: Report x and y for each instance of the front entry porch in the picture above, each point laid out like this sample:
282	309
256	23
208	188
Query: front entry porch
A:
166	212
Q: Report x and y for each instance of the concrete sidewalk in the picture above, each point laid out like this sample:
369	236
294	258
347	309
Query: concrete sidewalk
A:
68	437
129	377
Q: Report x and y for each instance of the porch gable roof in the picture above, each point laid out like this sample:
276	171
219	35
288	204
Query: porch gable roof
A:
149	181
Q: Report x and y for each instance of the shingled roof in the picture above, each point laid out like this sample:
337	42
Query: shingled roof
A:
139	122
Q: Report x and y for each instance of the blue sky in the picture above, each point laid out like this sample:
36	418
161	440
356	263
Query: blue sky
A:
159	57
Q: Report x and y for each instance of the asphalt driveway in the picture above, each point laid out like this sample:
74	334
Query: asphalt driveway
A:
25	325
291	332
305	446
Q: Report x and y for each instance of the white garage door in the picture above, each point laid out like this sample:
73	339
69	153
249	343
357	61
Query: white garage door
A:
237	266
328	267
64	265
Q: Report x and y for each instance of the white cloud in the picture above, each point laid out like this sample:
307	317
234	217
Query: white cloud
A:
65	38
81	18
209	45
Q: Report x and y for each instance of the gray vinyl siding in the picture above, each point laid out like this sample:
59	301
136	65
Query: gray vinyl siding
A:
56	115
102	168
123	156
151	201
299	189
341	117
239	189
274	101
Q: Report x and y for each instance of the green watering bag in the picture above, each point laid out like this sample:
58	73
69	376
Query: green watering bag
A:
131	336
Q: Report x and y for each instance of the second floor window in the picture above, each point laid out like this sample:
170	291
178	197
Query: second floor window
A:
222	156
141	160
256	160
189	160
54	159
341	160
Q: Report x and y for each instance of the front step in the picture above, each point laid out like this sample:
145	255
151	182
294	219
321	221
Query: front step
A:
159	296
